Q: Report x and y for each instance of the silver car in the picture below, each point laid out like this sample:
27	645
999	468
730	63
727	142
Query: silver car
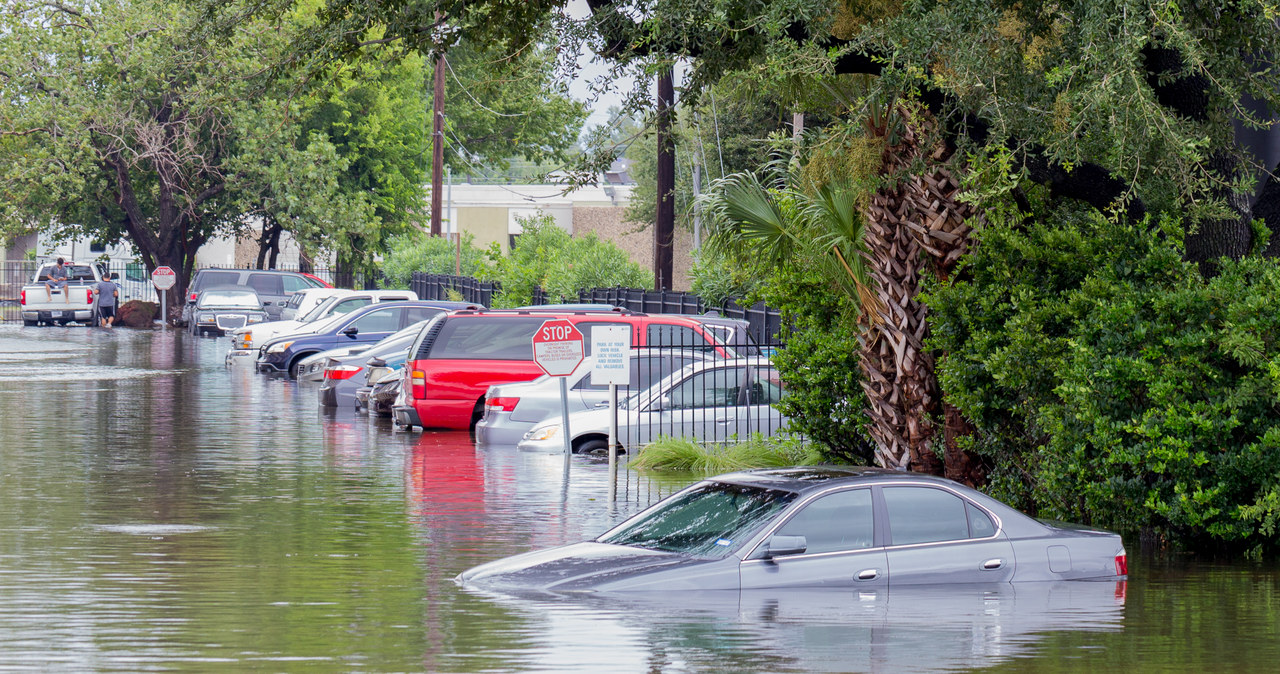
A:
511	410
710	401
836	528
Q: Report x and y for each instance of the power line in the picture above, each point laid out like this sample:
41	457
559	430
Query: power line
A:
473	98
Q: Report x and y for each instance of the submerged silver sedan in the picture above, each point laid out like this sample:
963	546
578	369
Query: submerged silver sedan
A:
825	526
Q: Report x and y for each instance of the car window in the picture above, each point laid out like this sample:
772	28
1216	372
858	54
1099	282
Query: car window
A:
228	298
216	278
925	515
980	524
380	320
766	387
835	522
486	338
293	284
708	520
417	314
348	305
266	284
663	334
717	387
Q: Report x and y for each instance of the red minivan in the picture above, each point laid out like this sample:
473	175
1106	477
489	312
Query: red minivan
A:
460	354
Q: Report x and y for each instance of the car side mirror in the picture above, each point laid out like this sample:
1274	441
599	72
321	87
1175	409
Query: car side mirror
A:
351	331
781	546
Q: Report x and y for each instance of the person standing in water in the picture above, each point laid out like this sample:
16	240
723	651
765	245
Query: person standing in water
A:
108	294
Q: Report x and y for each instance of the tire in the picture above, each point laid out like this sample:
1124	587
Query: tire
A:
592	446
294	367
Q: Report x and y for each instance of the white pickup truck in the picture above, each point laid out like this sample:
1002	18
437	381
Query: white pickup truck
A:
77	301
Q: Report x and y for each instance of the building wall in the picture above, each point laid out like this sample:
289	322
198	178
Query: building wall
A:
636	239
488	224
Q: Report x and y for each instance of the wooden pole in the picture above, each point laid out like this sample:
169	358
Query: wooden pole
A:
437	150
664	229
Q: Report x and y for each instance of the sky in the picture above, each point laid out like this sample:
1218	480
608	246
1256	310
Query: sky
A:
592	68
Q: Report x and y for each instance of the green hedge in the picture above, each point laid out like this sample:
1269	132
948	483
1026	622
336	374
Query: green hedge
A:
1111	383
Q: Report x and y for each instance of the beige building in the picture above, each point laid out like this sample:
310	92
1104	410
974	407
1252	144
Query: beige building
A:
490	214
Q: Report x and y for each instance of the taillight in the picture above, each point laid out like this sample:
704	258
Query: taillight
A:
1122	564
418	384
89	292
23	300
503	404
341	372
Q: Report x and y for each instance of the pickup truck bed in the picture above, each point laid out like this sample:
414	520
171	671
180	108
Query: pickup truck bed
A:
77	302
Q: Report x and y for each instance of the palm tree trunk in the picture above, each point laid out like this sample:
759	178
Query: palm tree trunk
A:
916	227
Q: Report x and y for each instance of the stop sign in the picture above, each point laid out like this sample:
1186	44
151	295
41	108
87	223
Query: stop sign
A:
164	278
557	347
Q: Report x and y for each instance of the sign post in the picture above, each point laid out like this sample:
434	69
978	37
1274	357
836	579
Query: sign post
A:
557	349
163	278
611	346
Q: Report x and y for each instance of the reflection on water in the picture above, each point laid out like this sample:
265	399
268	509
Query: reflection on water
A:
159	510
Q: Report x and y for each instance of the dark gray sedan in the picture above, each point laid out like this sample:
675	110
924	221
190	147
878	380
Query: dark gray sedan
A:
825	526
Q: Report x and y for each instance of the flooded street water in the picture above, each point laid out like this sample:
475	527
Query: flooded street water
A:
159	511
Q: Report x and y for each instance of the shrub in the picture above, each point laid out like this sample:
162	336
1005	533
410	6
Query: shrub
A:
683	454
1111	383
546	256
819	362
419	251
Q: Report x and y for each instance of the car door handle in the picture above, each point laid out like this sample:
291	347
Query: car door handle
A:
868	574
992	564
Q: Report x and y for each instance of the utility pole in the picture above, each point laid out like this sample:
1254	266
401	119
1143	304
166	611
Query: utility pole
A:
664	228
437	150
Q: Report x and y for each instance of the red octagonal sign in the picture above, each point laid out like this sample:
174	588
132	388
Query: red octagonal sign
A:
557	347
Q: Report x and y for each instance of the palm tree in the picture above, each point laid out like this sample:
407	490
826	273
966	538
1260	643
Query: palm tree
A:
877	244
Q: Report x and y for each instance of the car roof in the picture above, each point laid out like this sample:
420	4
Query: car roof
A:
802	479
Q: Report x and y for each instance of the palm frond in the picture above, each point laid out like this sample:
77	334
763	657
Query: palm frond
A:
839	228
746	216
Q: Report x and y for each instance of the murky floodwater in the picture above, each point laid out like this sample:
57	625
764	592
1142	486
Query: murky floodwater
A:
159	511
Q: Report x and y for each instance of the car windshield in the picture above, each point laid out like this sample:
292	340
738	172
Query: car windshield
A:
229	298
708	520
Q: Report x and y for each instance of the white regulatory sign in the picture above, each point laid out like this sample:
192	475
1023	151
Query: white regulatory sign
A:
611	347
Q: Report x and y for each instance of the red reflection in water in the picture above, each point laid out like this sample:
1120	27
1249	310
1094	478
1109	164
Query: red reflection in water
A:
446	491
1122	586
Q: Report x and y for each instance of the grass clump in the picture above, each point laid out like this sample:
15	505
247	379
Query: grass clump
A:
757	451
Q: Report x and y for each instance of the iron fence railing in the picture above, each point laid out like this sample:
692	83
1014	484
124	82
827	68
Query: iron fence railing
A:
687	392
764	322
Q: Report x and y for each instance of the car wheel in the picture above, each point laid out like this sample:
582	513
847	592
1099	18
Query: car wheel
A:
294	368
592	446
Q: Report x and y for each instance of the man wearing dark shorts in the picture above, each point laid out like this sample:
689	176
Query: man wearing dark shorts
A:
57	279
108	293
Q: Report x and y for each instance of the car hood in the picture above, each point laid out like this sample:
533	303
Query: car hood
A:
579	567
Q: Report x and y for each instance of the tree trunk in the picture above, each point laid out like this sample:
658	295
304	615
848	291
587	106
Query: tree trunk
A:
916	225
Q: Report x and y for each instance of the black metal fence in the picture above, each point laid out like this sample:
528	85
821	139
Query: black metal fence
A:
764	322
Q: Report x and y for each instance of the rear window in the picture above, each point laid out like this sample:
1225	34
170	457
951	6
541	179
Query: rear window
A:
215	278
486	338
293	284
675	336
267	284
